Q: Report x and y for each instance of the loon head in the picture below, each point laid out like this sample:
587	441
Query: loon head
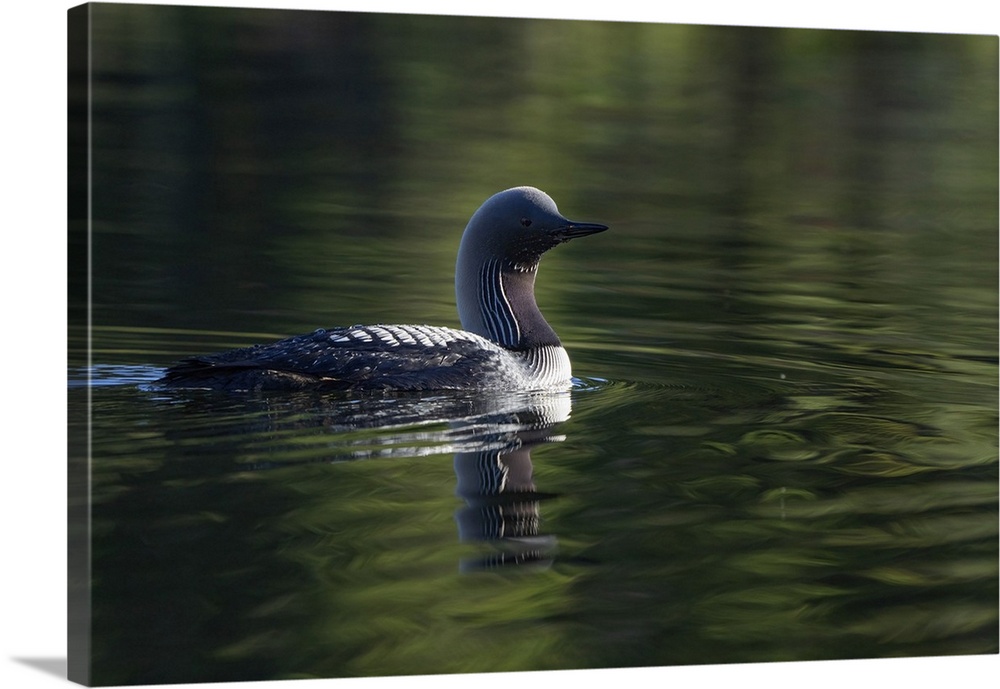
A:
497	262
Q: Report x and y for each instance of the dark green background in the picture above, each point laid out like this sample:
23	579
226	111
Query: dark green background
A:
786	446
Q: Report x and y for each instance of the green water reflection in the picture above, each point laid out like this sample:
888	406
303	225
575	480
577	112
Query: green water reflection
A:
785	443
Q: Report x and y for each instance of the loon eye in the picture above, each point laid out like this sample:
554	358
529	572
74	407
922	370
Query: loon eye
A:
526	222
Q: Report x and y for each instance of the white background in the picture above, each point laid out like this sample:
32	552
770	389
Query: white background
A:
33	367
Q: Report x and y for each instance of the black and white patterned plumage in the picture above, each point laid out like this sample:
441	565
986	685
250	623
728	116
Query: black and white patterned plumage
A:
403	357
505	344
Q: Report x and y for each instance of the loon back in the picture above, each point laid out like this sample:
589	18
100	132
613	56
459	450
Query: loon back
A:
506	342
374	357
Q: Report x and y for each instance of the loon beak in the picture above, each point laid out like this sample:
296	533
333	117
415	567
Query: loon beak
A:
572	230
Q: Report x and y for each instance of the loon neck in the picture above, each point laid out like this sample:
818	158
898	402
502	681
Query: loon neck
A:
497	301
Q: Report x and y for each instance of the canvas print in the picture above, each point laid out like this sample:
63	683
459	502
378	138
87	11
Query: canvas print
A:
424	344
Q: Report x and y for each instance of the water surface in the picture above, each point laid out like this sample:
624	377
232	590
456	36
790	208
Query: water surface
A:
782	439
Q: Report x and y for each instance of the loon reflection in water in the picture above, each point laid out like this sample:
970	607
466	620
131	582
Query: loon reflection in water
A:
491	435
505	344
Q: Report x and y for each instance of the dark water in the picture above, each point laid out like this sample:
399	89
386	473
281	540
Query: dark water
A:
782	442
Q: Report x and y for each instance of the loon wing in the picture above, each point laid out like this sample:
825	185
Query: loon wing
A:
359	357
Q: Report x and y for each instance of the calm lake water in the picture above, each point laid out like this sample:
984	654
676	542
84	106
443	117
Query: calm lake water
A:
782	440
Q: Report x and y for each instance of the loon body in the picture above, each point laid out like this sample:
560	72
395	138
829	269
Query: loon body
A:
505	342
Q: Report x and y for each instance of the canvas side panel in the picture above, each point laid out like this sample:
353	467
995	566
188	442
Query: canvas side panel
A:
78	190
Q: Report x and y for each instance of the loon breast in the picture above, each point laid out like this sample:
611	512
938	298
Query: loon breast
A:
505	342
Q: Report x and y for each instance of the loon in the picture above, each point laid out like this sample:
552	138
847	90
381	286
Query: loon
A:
505	343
